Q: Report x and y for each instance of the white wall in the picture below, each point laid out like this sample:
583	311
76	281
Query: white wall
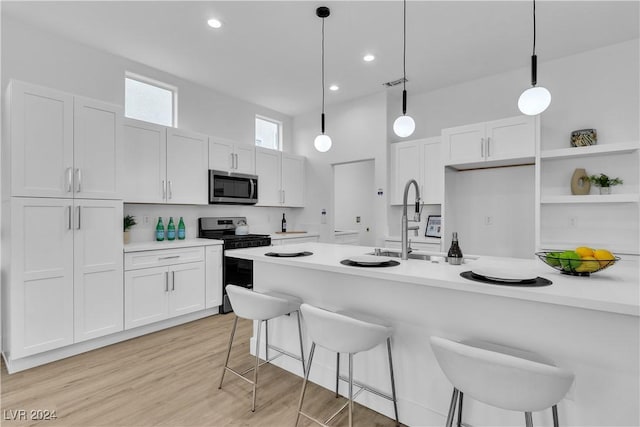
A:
33	55
354	196
358	131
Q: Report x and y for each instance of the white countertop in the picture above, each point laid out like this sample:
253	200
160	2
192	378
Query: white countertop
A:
170	244
614	290
292	236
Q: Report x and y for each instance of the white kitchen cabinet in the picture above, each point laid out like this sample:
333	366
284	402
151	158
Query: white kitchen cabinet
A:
226	155
172	283
65	264
164	165
293	240
509	141
420	160
347	238
187	167
417	246
281	178
213	276
98	282
63	146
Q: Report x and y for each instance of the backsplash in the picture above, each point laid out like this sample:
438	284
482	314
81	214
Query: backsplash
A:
261	220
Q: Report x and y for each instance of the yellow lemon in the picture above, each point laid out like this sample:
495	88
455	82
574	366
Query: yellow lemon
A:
584	251
589	264
604	256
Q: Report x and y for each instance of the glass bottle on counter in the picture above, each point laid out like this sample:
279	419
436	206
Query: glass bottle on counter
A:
160	230
181	230
455	254
171	229
284	224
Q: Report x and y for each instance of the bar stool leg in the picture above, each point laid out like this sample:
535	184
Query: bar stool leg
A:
255	371
301	344
460	396
393	382
554	410
452	408
226	361
528	420
337	374
266	340
304	382
350	389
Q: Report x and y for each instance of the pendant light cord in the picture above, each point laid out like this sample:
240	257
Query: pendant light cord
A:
404	45
322	68
534	27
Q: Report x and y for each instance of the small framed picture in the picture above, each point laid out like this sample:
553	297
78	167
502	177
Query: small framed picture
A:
433	226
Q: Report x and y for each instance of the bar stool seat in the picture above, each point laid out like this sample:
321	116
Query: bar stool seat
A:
500	376
260	307
345	333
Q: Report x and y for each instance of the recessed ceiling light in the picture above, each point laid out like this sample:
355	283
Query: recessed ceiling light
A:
369	57
214	23
334	87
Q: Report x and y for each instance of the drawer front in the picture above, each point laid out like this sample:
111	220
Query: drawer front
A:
162	257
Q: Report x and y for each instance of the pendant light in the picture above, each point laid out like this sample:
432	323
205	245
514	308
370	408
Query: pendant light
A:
322	141
404	125
536	99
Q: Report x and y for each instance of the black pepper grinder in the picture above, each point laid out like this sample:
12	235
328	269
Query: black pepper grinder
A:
455	254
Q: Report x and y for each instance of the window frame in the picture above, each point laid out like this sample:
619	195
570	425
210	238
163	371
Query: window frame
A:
278	123
157	83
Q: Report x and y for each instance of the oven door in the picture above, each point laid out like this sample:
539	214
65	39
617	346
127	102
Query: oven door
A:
232	188
237	272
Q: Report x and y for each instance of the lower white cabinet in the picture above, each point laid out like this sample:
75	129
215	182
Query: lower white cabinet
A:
213	276
294	240
418	246
63	280
169	289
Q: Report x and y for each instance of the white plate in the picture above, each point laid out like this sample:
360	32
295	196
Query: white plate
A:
505	272
369	259
287	251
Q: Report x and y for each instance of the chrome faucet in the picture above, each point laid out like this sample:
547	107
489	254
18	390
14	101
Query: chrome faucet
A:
405	222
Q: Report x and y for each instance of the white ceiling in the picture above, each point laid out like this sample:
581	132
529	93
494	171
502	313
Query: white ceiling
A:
268	52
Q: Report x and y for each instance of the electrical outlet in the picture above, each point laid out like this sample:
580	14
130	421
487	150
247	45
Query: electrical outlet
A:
573	221
358	219
488	220
145	219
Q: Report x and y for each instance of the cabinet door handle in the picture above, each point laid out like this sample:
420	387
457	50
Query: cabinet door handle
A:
488	146
164	189
69	213
173	280
79	180
283	196
168	257
482	148
235	156
231	160
166	281
170	190
79	217
69	179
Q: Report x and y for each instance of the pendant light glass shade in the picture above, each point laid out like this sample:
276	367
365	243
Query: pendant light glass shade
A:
404	126
322	143
534	100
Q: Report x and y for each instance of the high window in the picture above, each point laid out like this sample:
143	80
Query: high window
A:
268	133
150	100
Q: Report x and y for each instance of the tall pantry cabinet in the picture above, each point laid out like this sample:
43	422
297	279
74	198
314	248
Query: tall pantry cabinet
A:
62	220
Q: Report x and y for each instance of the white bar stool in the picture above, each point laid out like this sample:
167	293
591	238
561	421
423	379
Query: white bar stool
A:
344	334
252	305
503	377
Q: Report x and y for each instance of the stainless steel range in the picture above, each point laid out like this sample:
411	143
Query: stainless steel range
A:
236	271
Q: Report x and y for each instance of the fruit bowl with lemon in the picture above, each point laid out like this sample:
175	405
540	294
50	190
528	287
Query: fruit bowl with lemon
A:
579	262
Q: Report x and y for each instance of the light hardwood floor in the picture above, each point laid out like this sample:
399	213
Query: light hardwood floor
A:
168	378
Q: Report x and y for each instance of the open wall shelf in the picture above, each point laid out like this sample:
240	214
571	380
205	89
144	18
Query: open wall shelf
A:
592	150
592	198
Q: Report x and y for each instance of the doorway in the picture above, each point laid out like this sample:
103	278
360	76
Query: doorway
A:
353	192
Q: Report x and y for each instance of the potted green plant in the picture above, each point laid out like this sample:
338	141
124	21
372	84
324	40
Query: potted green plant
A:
129	221
604	183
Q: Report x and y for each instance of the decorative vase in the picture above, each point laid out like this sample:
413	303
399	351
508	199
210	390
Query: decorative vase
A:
126	237
605	190
580	184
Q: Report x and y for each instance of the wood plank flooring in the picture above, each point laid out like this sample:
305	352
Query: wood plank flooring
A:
168	378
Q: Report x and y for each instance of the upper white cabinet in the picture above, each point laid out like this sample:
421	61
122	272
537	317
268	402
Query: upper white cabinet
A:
502	142
63	146
225	155
164	165
281	178
65	275
420	160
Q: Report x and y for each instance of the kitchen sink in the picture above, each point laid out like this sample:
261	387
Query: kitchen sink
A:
414	255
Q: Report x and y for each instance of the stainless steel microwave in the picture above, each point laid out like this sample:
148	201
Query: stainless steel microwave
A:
232	188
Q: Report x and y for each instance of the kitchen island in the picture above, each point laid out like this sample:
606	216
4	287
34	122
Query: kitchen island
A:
589	325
